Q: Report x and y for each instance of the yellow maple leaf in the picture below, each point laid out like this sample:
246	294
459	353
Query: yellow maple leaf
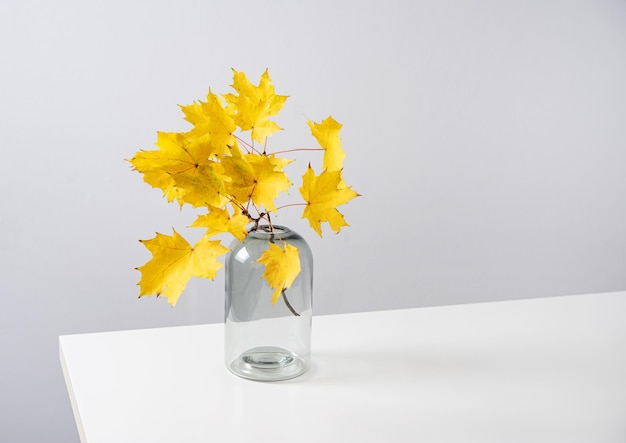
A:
174	261
212	123
255	177
322	194
254	105
219	220
193	112
282	266
165	182
327	135
203	186
176	155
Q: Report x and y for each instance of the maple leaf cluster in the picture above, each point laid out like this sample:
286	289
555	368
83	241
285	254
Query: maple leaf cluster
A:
234	178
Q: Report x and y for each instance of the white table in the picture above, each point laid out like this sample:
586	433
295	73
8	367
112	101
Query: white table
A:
538	370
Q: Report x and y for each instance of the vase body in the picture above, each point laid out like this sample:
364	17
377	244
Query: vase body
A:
265	341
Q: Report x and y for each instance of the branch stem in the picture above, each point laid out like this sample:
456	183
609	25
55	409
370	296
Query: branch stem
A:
292	204
297	149
293	311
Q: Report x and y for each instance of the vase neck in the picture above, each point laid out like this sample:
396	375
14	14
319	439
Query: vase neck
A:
267	232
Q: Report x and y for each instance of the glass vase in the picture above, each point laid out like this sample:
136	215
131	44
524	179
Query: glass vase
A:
265	341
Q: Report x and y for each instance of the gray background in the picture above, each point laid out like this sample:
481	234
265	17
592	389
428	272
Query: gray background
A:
486	137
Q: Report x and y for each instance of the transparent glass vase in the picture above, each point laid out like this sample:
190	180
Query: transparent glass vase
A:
265	341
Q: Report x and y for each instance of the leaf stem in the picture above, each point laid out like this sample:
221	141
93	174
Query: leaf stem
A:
293	311
249	147
291	204
297	149
250	199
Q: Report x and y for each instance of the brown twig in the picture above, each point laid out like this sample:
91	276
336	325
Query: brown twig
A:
293	311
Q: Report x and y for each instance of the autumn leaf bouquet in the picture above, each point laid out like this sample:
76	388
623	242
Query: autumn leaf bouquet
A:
223	167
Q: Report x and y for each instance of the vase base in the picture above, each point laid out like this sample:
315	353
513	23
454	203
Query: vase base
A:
268	364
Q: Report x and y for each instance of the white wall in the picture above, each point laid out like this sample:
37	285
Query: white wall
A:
487	139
